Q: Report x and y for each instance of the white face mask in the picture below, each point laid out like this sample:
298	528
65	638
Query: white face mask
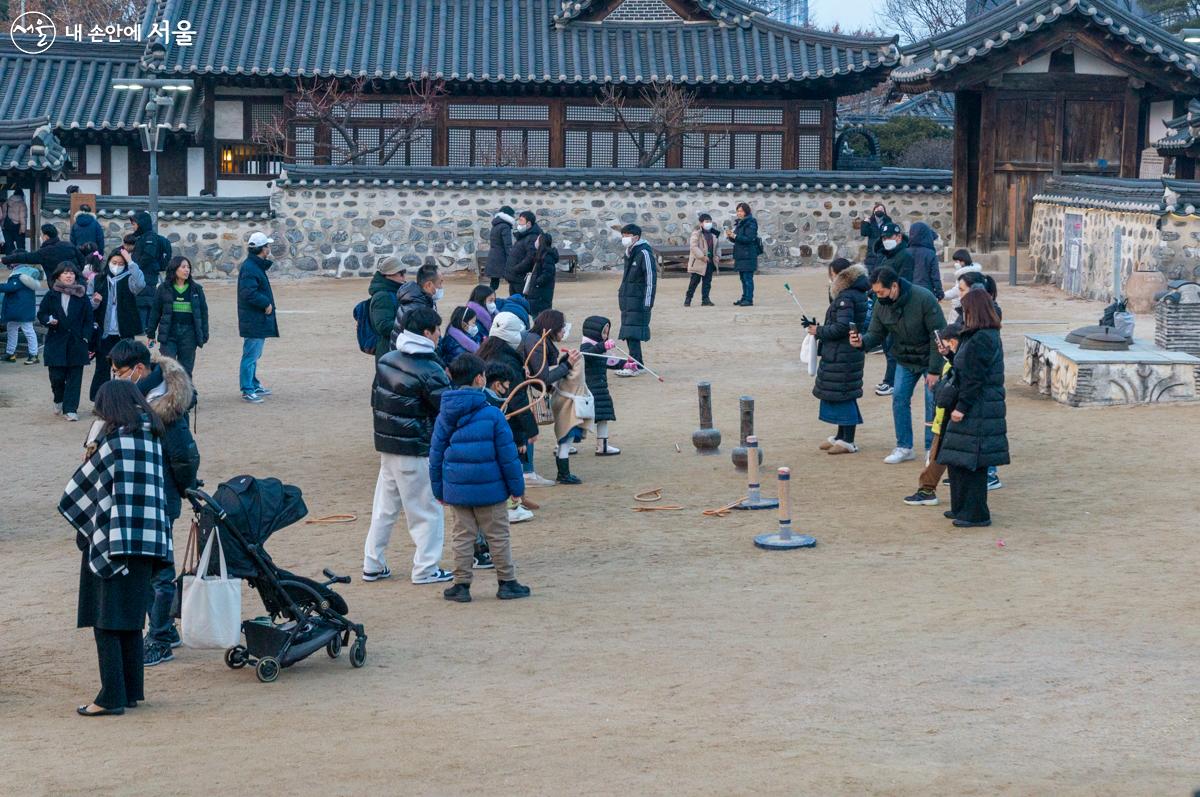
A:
522	227
890	244
473	330
566	333
707	225
492	308
115	269
626	241
439	294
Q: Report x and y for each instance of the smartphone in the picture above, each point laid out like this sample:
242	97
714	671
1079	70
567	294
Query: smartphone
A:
938	337
853	328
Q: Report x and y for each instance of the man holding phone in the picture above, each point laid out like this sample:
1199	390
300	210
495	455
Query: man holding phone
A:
912	316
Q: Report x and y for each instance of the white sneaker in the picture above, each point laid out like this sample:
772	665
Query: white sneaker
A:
629	372
71	416
436	577
534	480
519	515
899	455
58	408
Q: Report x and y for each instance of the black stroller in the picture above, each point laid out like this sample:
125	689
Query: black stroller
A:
305	615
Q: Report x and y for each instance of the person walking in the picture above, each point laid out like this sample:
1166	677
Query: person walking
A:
635	297
381	307
703	252
425	291
963	264
405	399
115	503
910	315
66	313
152	253
544	274
522	253
746	249
839	382
53	251
256	314
87	229
500	241
15	224
180	317
539	350
168	390
114	303
922	247
976	433
19	311
872	229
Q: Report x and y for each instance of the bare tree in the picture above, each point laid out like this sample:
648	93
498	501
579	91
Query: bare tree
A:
665	116
328	103
82	12
915	20
507	155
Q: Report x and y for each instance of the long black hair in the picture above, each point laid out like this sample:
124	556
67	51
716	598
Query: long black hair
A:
122	406
174	265
460	314
545	244
491	347
480	293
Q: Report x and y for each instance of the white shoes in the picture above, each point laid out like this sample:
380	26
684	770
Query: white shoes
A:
899	455
534	480
71	416
58	408
627	372
519	514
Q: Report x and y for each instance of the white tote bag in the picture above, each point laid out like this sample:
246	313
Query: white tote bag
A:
808	353
212	605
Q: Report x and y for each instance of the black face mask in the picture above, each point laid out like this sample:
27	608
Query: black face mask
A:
885	300
879	214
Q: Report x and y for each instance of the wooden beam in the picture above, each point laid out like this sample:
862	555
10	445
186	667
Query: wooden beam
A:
558	145
105	169
790	111
208	137
828	115
966	109
987	160
1130	132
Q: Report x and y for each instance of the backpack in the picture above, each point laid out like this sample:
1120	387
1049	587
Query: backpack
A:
367	337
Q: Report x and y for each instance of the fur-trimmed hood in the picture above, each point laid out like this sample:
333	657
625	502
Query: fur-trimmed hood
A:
179	396
504	218
847	278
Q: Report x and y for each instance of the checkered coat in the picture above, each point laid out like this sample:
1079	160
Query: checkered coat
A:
115	502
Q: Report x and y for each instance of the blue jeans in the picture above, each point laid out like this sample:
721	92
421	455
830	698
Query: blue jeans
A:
163	583
889	373
527	463
252	349
906	383
747	278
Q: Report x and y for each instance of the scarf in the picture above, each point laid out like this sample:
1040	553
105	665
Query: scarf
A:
74	289
481	312
115	502
464	340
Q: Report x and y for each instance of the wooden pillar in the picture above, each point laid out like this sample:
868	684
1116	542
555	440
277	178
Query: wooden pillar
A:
964	118
1185	167
105	169
790	112
440	155
208	138
828	119
558	139
1130	130
987	164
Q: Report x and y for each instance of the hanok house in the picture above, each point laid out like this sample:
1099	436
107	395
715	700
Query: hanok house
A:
521	80
30	158
1048	87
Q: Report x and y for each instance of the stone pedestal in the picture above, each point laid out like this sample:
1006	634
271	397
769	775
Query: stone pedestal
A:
1085	378
1140	289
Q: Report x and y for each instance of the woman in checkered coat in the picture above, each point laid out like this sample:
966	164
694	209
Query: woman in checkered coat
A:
116	504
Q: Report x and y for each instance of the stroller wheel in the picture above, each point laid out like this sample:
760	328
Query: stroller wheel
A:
235	657
267	670
358	652
334	648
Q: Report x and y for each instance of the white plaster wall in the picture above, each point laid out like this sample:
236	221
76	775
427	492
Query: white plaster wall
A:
195	170
227	120
119	180
91	156
1088	64
1158	112
243	188
1039	64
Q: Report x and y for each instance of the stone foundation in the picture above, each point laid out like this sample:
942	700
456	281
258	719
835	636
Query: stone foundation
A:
1086	378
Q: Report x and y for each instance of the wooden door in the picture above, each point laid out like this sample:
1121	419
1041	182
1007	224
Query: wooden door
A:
172	171
1025	143
1092	136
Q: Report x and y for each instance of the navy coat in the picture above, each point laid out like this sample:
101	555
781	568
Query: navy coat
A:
67	342
745	244
48	256
87	229
635	297
499	244
926	271
520	256
253	296
541	292
20	300
473	460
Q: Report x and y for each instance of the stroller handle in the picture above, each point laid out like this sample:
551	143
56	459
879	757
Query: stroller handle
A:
199	499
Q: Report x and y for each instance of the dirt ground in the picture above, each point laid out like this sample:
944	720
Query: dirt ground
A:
660	653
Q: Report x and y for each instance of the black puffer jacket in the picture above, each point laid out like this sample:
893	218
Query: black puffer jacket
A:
406	397
870	230
523	426
409	297
980	439
745	244
541	293
163	315
499	243
50	254
635	297
173	397
840	372
899	259
520	257
595	370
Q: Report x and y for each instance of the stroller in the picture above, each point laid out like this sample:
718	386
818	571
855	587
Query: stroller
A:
305	615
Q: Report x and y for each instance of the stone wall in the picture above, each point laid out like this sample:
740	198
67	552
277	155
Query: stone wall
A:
1179	249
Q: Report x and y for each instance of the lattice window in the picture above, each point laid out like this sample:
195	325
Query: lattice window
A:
758	116
643	11
305	146
770	151
716	116
745	151
482	146
596	113
518	113
417	152
264	116
810	117
808	151
525	113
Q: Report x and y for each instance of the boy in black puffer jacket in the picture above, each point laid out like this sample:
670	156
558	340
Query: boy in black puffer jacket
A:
596	365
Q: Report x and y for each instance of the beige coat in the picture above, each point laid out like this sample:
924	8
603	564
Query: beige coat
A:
563	405
698	256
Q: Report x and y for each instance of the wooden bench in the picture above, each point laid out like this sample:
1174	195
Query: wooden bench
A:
675	258
568	265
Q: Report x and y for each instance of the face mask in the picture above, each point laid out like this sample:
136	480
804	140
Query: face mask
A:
522	227
707	225
609	345
566	331
879	214
890	244
473	330
491	307
115	269
626	241
439	294
885	300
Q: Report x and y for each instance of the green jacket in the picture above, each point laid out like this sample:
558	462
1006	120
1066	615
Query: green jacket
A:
911	321
382	311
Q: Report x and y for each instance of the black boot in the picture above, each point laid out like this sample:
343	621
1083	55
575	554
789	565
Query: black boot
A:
459	593
564	472
511	590
687	301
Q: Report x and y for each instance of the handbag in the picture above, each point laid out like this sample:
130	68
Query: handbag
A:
585	404
187	566
539	399
808	353
212	605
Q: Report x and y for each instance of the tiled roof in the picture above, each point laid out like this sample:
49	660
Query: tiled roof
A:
937	106
169	207
898	180
1112	193
1182	196
71	84
504	41
1185	130
27	145
1011	22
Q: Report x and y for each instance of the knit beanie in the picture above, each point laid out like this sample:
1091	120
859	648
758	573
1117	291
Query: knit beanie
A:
508	328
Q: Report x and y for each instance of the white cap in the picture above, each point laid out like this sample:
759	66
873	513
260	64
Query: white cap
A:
259	239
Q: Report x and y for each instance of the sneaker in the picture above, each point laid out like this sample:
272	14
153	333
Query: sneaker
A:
173	639
72	416
58	408
687	302
922	498
459	593
483	561
157	653
972	524
994	482
253	398
10	358
534	480
627	372
946	482
262	391
438	576
511	590
519	514
572	450
708	303
604	449
378	575
899	455
884	389
948	515
32	360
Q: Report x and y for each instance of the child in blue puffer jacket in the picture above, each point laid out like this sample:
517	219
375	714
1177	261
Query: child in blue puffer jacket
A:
475	469
18	311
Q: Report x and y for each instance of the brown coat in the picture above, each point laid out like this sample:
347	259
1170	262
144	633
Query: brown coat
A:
698	256
563	405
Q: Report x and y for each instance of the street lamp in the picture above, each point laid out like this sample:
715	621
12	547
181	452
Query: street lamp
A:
1190	35
160	95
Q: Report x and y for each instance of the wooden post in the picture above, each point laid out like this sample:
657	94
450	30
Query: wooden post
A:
1012	232
987	166
706	439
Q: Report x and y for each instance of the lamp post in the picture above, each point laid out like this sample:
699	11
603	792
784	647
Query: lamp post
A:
160	95
1190	35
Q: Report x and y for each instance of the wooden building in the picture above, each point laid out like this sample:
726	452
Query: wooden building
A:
1048	87
30	158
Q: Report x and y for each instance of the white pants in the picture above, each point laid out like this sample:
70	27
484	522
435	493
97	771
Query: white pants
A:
26	327
403	486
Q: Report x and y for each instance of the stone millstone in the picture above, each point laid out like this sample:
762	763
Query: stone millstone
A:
1077	336
1105	341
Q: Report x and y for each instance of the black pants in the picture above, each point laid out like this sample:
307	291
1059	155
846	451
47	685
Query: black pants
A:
968	494
180	342
145	299
66	382
103	366
494	284
704	281
635	350
846	433
516	288
121	667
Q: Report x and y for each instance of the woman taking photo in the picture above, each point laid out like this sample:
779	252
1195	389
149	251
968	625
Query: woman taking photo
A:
463	335
483	302
67	315
840	371
116	504
745	251
179	318
976	434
